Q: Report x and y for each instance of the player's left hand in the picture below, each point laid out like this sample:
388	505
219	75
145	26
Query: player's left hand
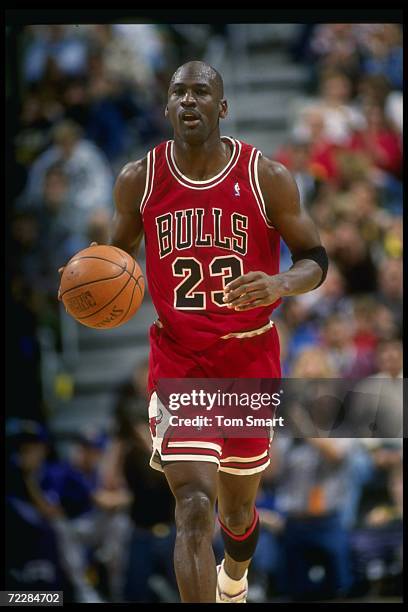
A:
252	290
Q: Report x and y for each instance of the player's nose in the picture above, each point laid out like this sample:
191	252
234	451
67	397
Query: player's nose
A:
188	99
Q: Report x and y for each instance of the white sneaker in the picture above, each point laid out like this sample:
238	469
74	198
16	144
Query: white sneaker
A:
225	598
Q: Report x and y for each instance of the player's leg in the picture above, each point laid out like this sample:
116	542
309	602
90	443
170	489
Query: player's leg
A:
194	486
239	528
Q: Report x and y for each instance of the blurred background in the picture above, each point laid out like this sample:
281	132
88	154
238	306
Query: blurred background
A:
83	100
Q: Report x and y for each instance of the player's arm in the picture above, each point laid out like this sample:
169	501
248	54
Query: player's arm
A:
127	225
297	229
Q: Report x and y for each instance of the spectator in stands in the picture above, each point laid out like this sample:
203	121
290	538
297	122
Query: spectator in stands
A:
389	359
89	176
106	126
328	299
344	355
45	239
57	42
365	335
378	399
30	542
377	542
394	110
336	46
301	331
296	156
74	97
55	212
150	569
387	326
379	141
311	128
383	53
132	391
354	259
97	524
390	286
36	501
152	510
120	54
392	243
341	117
312	491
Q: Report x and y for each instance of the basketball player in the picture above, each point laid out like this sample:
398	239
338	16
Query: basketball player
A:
213	211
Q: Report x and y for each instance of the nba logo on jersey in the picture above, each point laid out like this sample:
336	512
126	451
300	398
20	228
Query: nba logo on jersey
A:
236	188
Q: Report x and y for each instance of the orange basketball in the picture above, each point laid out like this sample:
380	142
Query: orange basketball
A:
102	287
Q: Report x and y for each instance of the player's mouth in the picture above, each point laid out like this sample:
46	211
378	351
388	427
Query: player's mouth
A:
190	118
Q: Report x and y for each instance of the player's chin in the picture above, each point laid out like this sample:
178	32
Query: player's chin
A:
193	134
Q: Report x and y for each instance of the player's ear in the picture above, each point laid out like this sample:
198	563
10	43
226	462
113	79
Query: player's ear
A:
223	108
166	111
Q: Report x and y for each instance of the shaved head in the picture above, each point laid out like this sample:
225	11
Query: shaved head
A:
199	69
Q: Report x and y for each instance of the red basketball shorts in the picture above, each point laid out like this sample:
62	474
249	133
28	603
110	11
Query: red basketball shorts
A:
250	356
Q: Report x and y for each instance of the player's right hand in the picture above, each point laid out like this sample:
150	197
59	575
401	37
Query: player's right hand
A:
61	270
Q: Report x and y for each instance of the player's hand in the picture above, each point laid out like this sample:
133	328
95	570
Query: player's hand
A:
252	290
61	270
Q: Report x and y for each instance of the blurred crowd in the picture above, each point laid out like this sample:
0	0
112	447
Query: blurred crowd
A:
345	151
95	520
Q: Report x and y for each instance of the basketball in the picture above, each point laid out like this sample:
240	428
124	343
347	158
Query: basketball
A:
102	287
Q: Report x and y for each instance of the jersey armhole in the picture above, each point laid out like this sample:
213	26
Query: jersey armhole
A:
149	180
254	182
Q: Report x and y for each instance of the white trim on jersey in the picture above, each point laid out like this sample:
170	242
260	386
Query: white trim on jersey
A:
192	457
193	443
147	180
244	459
244	472
213	178
150	175
256	190
207	184
249	334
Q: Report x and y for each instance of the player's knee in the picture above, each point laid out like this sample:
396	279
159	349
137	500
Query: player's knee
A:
239	519
194	514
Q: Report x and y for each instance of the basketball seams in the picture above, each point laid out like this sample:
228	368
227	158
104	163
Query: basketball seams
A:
99	280
137	283
133	292
98	257
107	303
119	253
130	303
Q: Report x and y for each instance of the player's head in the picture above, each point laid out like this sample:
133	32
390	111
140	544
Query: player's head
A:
196	102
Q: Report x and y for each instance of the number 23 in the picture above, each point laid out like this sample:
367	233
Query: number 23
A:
228	267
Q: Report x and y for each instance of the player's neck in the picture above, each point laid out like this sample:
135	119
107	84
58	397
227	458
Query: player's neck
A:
201	162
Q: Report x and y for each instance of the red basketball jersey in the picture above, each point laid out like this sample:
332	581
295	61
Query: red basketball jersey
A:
199	236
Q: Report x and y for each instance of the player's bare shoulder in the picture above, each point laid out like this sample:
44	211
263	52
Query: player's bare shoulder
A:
130	185
278	187
274	175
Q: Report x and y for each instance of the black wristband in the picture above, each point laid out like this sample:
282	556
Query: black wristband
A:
317	254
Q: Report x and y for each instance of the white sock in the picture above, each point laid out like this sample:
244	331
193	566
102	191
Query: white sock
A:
228	585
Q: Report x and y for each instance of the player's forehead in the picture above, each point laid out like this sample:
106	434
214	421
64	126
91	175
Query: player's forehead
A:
194	73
